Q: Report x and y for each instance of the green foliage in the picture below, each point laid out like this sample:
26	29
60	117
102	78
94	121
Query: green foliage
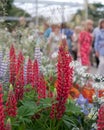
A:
5	6
71	108
34	114
95	12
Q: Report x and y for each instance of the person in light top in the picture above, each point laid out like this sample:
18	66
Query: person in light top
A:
77	31
99	48
54	40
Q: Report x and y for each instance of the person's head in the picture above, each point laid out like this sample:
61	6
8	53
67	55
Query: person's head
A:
101	23
89	25
63	25
56	28
22	21
77	29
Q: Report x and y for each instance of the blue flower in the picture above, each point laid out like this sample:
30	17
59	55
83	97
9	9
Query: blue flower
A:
81	100
84	104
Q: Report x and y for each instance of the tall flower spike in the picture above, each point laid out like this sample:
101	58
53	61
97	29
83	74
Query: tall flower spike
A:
64	80
100	121
25	73
35	74
41	88
19	88
2	118
29	72
12	65
37	55
11	104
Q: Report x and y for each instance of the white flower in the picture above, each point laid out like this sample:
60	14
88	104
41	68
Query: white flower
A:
55	54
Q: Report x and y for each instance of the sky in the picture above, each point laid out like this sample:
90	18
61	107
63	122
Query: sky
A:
48	11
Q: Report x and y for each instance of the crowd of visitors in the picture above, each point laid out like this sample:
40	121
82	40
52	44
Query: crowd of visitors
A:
83	41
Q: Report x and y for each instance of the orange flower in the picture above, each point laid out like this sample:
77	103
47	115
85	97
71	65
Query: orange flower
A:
74	92
88	93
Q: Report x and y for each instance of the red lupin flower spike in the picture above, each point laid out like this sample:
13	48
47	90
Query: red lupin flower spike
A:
29	72
2	117
11	104
41	88
19	89
100	121
64	79
12	71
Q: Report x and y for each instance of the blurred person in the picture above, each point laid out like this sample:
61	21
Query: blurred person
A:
95	33
22	21
47	30
65	30
22	25
99	48
75	41
54	41
85	43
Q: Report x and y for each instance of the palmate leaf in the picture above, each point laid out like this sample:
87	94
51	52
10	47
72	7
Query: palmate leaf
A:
70	122
25	111
71	107
24	115
47	102
35	126
31	107
29	104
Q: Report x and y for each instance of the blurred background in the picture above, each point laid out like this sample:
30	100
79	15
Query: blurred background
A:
53	11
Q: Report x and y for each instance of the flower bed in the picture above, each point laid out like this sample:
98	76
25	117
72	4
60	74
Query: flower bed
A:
61	97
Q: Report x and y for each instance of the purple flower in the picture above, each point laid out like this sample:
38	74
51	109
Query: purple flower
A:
81	100
84	104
